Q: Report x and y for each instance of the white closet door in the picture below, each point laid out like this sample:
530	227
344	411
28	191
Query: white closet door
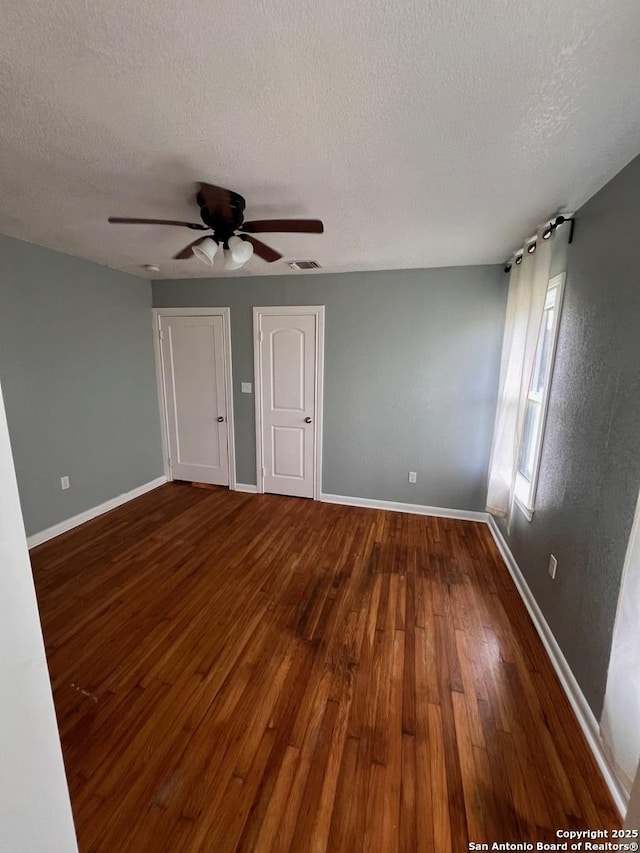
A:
288	402
194	389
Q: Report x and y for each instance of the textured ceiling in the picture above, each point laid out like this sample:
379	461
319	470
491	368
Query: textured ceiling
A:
423	132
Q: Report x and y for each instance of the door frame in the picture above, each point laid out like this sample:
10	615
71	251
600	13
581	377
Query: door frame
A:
225	313
291	310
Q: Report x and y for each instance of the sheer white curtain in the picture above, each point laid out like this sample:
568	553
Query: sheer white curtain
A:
525	304
620	723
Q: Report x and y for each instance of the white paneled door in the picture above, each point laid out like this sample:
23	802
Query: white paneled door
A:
288	375
193	367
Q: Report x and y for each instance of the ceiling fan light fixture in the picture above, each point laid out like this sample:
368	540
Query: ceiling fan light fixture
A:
241	250
229	263
222	212
206	250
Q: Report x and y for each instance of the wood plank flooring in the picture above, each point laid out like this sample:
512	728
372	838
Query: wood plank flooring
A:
238	672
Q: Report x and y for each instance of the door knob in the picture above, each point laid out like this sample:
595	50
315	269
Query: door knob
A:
220	419
307	420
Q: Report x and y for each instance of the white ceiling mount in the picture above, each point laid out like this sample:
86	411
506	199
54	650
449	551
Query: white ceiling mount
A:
434	134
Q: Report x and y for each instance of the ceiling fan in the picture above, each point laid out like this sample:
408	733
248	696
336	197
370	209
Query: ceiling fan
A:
222	212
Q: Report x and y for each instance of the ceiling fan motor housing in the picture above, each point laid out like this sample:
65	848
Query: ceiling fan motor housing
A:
223	222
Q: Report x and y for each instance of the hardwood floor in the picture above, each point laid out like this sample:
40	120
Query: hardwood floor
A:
259	673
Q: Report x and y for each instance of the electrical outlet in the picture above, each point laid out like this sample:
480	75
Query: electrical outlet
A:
245	387
64	483
412	476
553	565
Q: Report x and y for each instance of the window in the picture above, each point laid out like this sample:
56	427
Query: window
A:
538	398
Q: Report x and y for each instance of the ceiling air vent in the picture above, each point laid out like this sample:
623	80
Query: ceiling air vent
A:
304	265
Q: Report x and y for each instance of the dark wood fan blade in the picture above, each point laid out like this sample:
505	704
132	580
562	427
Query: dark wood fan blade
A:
125	220
187	252
300	226
262	250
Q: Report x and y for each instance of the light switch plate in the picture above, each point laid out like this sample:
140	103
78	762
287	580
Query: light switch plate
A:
64	483
553	566
245	387
412	476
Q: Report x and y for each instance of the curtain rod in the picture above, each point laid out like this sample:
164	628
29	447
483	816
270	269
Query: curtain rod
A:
530	243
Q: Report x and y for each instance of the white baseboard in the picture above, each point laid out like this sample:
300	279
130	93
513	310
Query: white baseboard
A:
581	709
88	514
246	487
414	509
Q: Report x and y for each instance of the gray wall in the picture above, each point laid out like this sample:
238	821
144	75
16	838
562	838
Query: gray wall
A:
411	370
590	468
76	364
